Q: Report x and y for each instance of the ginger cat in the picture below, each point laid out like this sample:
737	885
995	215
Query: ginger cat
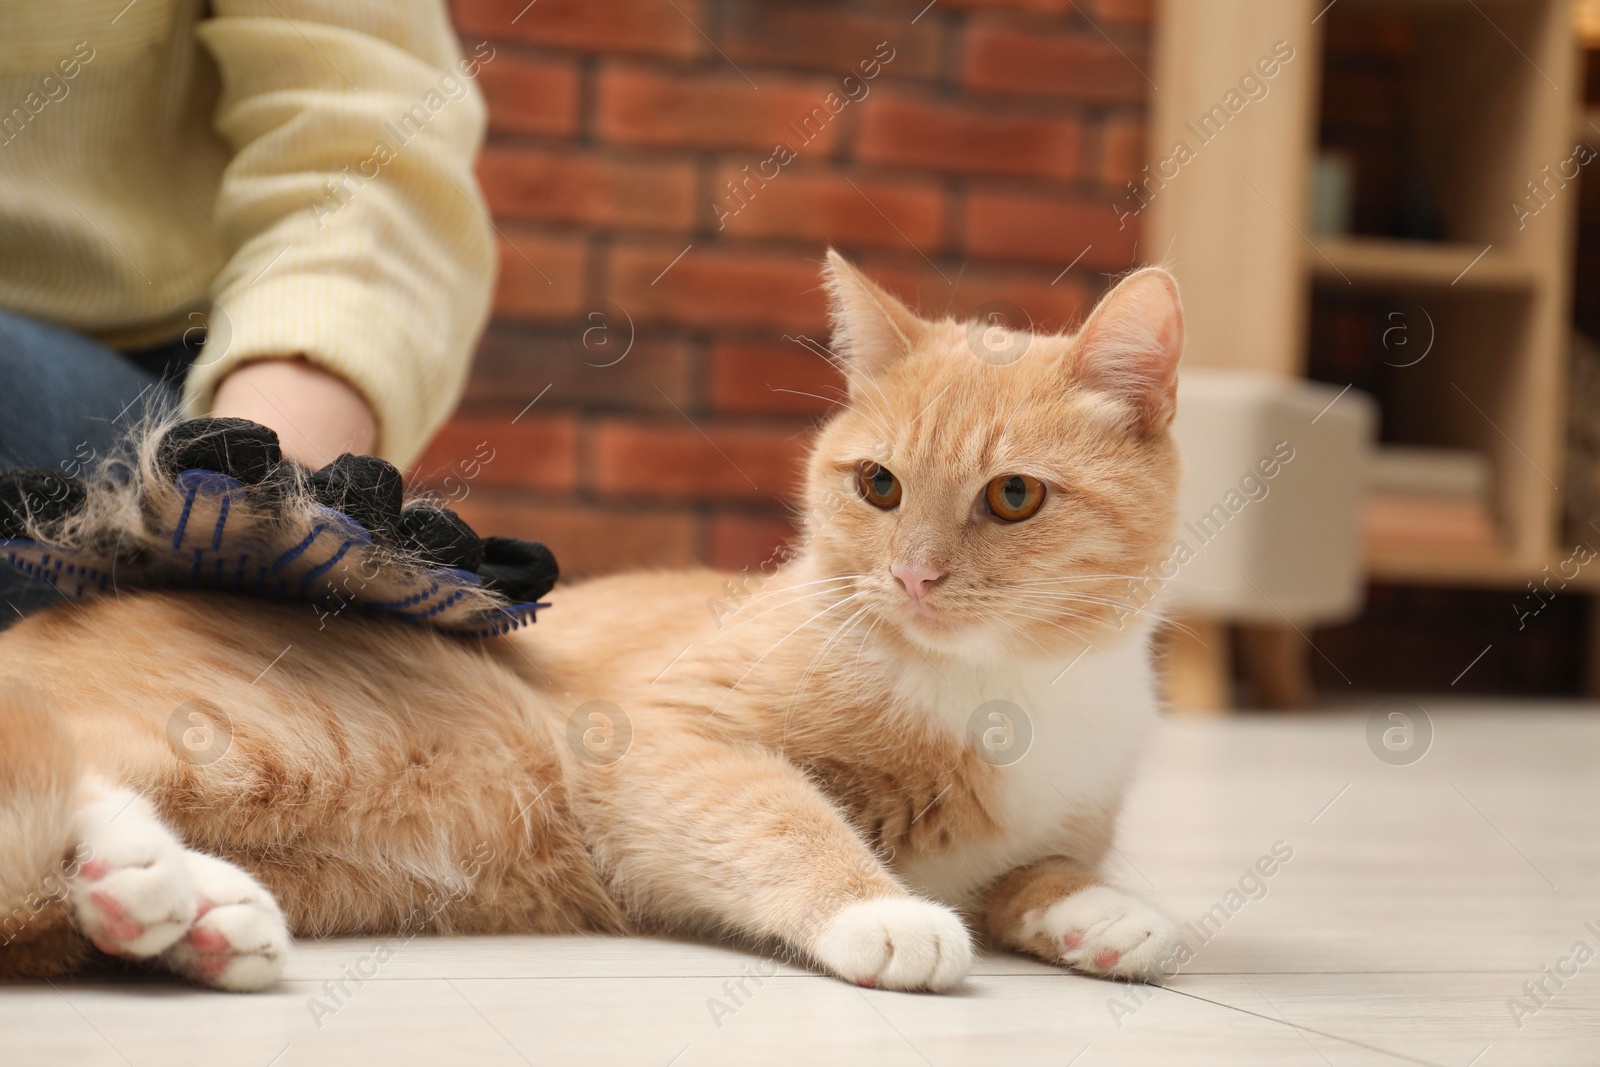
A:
920	726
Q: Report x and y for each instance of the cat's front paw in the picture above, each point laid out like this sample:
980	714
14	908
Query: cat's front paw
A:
239	941
1101	930
896	943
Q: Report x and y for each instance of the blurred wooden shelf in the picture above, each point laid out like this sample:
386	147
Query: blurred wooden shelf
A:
1477	119
1376	261
1586	126
1410	564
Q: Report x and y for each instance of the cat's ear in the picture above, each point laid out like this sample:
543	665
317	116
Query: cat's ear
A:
1131	344
871	329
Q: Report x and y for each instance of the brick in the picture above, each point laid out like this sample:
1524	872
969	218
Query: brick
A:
1132	12
675	460
642	26
587	189
1052	229
537	96
721	110
516	363
717	287
1040	7
1052	305
750	379
824	208
1082	66
753	542
1122	154
830	38
537	451
587	540
910	131
1136	12
541	277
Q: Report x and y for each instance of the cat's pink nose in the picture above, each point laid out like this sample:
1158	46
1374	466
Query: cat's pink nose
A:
917	580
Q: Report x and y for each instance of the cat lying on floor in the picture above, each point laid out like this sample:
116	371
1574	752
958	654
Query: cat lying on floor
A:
920	726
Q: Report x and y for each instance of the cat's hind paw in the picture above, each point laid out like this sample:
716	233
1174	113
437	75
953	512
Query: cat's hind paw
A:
896	943
239	940
132	895
1101	930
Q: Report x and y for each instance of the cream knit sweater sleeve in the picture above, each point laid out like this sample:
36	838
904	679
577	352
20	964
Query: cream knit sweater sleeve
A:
356	234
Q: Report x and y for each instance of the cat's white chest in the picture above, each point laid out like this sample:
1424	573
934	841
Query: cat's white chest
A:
1064	739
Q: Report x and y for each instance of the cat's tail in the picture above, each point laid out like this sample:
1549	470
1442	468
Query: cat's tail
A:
39	784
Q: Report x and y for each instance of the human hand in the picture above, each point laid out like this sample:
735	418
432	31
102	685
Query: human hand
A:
316	414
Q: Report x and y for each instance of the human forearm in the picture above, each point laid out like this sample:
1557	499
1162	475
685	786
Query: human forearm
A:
316	414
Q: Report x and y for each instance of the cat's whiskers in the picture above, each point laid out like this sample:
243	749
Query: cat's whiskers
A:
843	400
838	632
1072	579
1157	616
1024	634
854	379
1072	631
822	650
1083	598
864	639
774	647
833	587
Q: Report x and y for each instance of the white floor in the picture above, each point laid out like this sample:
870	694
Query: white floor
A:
1418	901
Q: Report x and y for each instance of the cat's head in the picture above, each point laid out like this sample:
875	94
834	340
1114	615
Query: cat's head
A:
988	504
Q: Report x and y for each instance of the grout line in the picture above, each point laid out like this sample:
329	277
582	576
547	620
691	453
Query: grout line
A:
1296	1026
674	262
814	977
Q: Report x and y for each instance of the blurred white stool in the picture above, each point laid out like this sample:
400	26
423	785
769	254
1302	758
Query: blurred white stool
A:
1269	528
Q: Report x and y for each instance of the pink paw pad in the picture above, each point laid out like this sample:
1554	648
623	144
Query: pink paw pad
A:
1073	938
94	870
208	940
868	983
211	967
1107	959
116	923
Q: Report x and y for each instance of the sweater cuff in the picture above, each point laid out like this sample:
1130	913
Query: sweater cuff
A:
343	327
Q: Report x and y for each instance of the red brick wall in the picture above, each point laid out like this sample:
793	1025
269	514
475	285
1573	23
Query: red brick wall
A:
982	160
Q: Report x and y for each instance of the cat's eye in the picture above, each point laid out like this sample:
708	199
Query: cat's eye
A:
879	487
1014	497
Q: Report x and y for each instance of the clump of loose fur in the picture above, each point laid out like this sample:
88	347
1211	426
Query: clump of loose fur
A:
131	503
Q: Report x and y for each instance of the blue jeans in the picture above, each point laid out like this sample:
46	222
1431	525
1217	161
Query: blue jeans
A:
65	400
